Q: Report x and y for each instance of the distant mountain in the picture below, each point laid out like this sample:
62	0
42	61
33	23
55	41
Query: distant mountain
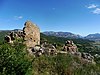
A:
16	30
62	34
94	37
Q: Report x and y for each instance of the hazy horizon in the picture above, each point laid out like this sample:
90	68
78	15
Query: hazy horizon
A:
75	16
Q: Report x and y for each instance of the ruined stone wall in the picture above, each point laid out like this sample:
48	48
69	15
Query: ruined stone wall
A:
31	34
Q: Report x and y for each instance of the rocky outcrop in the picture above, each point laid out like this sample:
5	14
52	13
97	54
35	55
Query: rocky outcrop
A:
70	47
31	34
49	49
10	38
44	49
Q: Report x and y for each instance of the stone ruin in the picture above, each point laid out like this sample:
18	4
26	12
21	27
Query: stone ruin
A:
10	38
43	49
31	37
31	34
70	47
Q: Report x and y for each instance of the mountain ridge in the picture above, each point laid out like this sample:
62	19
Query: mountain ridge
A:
62	34
93	37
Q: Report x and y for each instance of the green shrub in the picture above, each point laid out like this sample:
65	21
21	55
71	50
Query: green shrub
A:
13	60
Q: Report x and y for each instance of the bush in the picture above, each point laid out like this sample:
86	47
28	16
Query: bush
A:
13	60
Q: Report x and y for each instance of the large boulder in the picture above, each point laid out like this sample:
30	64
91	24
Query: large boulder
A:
8	39
70	47
31	34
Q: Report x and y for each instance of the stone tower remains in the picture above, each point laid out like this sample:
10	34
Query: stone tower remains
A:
31	34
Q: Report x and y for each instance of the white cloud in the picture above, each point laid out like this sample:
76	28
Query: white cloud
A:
95	8
18	17
96	11
91	6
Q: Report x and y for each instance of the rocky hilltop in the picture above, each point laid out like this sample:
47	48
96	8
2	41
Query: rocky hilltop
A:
31	38
25	52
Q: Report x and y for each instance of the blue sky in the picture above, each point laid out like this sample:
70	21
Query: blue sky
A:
76	16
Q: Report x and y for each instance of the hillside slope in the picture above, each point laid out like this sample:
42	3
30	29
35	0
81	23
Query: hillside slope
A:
15	60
